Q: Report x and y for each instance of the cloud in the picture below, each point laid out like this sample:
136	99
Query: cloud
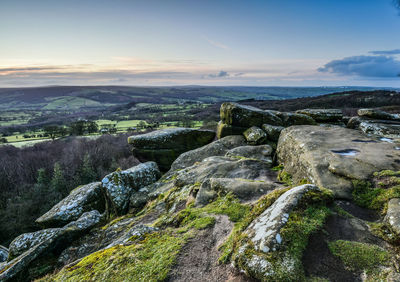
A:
28	69
386	52
219	75
365	66
216	44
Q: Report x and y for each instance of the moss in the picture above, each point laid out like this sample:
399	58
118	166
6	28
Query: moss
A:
384	231
285	177
150	260
277	168
341	212
202	223
360	256
383	173
365	195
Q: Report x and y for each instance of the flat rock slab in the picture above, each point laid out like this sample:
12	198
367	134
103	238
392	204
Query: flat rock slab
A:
393	214
323	115
261	152
245	190
121	185
331	157
82	199
216	148
264	231
377	114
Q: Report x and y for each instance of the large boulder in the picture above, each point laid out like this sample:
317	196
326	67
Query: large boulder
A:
261	152
376	114
121	185
332	157
3	253
164	146
216	148
82	199
55	241
255	135
264	231
245	190
323	115
384	128
247	116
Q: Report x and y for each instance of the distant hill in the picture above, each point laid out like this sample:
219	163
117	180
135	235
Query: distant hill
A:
81	98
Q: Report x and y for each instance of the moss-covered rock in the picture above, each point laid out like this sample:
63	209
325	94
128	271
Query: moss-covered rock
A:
82	199
376	114
323	115
261	152
272	131
255	135
224	130
289	119
120	186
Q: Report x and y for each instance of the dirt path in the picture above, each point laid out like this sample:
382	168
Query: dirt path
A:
198	260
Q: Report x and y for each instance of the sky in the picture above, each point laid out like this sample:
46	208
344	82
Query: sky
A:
188	42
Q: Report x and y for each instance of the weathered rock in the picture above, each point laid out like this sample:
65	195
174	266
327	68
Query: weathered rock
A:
255	135
272	131
164	146
3	253
245	190
393	214
224	130
216	148
289	119
331	157
261	152
376	114
82	199
247	116
384	128
27	240
137	232
121	185
59	239
264	231
323	115
223	167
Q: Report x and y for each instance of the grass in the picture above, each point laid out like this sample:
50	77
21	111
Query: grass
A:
359	256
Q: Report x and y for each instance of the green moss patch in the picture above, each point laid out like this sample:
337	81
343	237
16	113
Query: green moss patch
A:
149	260
360	256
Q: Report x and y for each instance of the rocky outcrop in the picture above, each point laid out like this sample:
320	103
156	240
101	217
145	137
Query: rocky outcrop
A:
393	214
323	115
264	231
54	240
120	186
245	190
216	148
261	152
82	199
247	116
289	119
224	130
255	135
332	157
3	254
164	146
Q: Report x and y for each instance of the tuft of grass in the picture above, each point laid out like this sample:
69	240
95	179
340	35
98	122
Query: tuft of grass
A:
285	177
360	256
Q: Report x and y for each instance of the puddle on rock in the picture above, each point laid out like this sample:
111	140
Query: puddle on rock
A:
346	152
384	139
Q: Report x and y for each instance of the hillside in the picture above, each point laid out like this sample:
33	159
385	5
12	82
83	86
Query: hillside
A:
279	196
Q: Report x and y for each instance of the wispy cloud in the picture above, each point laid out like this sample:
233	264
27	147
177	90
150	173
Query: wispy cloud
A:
216	44
365	66
386	52
219	75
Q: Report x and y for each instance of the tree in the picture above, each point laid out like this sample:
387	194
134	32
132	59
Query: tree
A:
78	127
52	131
58	182
87	173
92	127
